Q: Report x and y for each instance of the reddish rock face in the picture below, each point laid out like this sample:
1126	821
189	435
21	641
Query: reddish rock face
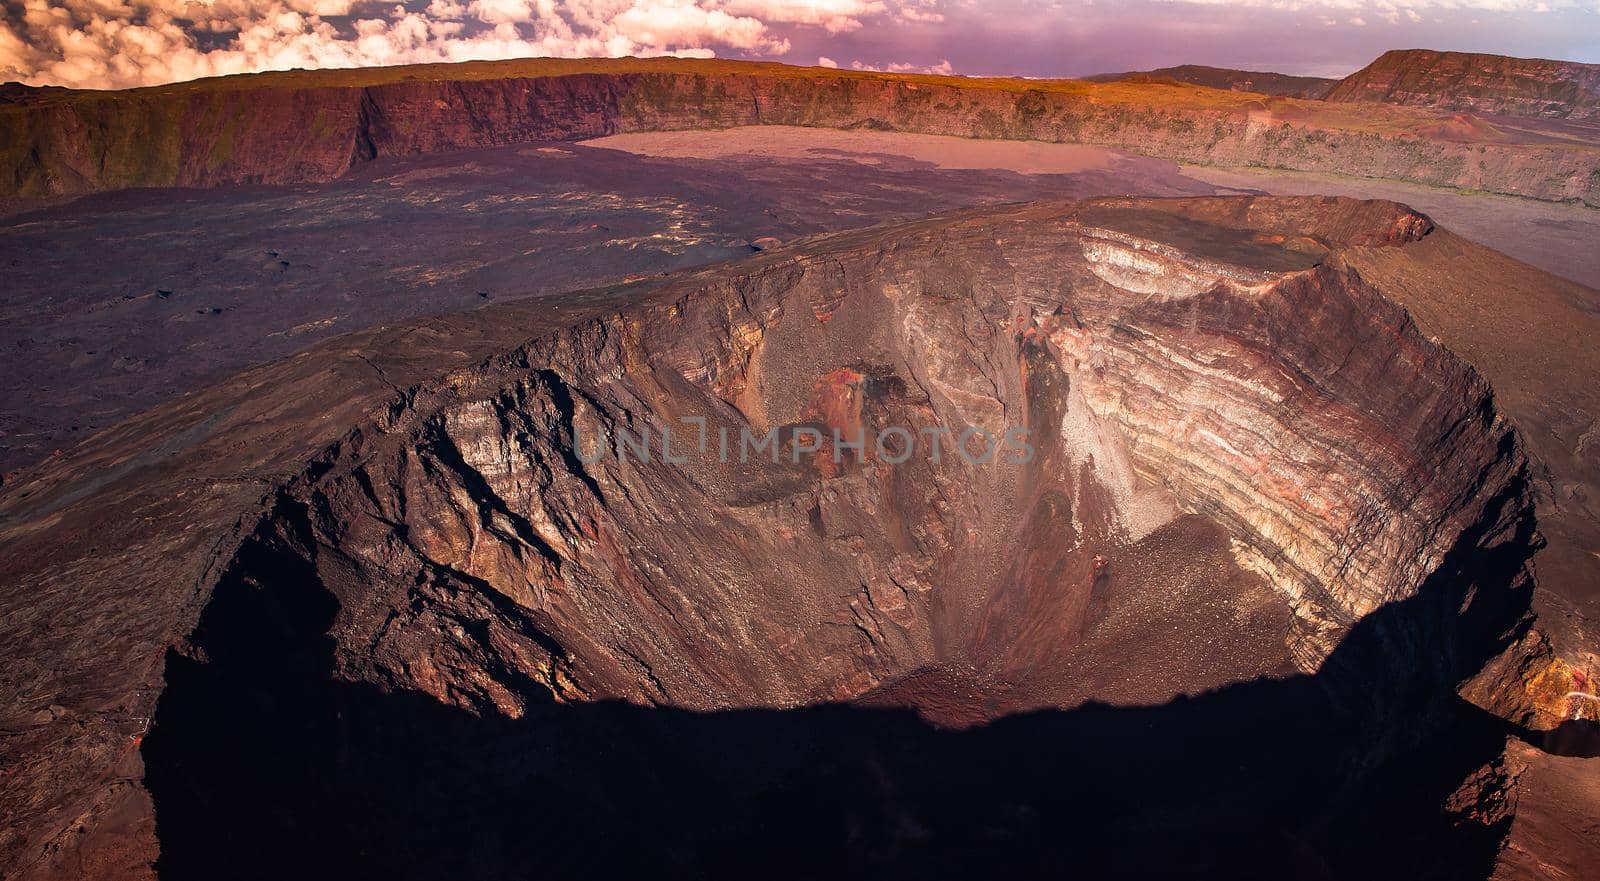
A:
1486	84
1242	461
286	128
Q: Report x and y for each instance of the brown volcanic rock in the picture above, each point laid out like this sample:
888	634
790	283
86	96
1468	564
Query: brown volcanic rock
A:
1553	835
1486	84
1531	335
198	464
399	518
314	126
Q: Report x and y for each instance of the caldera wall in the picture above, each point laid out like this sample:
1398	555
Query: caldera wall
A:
280	128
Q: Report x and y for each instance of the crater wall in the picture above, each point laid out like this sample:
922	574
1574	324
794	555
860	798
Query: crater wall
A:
287	128
433	535
1157	364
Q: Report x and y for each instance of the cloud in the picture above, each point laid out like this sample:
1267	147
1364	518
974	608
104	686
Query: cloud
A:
1395	6
943	68
825	61
121	43
685	23
834	16
921	11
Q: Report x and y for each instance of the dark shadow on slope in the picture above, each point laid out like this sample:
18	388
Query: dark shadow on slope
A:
262	765
1578	738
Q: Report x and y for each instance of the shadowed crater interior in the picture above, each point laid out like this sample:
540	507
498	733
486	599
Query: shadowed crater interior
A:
1212	624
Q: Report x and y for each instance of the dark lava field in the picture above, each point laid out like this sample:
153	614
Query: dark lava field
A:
124	300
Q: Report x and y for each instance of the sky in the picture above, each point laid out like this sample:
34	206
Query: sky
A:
124	43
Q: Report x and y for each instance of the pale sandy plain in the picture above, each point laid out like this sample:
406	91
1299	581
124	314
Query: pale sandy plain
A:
1560	238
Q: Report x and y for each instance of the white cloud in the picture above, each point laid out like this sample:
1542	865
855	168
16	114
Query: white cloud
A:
943	68
1390	6
447	9
121	43
921	11
686	23
503	11
825	61
834	16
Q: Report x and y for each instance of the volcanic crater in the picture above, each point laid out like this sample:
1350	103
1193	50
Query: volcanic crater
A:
1267	530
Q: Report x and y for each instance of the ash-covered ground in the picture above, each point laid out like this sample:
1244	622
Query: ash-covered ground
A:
117	302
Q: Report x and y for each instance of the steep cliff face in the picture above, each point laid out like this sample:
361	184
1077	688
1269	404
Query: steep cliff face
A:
1150	379
282	128
1062	408
1488	84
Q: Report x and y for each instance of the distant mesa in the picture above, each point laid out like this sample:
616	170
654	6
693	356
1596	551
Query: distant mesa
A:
1493	85
1487	84
1260	82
